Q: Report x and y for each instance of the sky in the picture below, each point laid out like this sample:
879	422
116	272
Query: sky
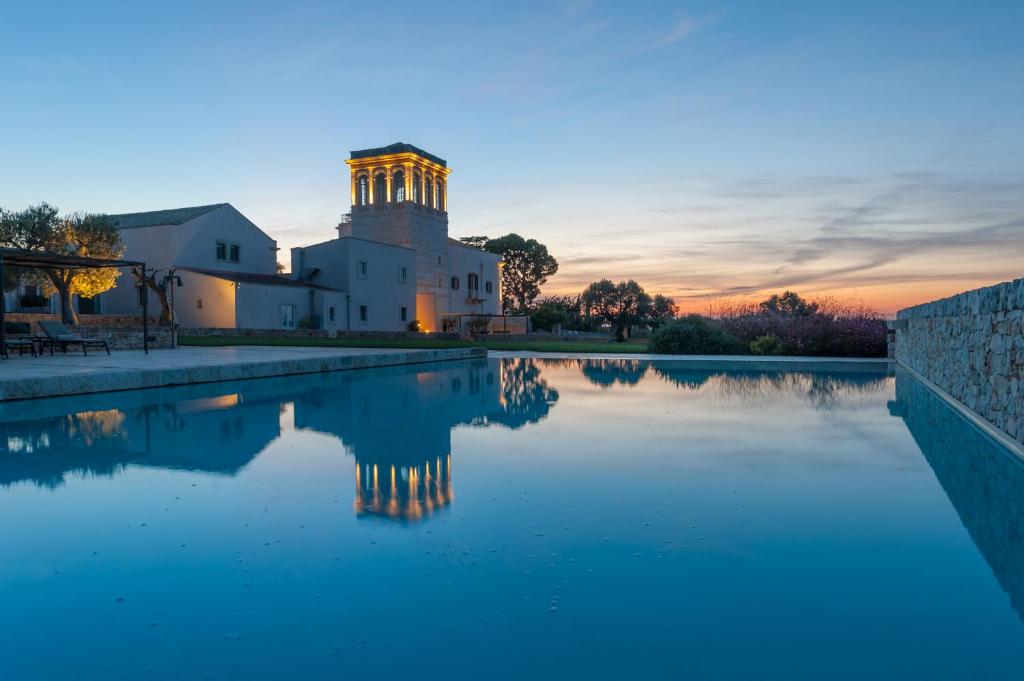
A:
712	151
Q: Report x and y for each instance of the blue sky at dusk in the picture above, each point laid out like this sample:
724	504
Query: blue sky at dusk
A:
870	150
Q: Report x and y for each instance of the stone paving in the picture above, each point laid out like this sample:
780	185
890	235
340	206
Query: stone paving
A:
73	374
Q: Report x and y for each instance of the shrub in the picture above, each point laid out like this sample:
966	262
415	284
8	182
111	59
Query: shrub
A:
824	327
768	344
414	326
693	335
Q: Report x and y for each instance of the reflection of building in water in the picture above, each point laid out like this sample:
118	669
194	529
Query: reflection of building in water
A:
403	492
397	424
218	434
983	480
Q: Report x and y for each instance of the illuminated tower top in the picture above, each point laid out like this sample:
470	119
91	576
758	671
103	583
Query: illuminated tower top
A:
398	174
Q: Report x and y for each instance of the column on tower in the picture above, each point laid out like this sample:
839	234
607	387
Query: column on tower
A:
387	178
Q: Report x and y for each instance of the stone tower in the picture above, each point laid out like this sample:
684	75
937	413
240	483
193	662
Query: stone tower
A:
400	197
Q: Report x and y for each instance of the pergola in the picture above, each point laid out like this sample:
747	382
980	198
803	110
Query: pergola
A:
16	257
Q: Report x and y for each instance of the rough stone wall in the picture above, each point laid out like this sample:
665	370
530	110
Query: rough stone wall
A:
972	346
313	333
122	332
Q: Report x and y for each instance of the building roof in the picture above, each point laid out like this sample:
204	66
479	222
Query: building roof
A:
255	278
398	148
172	216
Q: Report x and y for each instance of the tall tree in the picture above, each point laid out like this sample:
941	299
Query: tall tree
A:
789	304
40	228
475	241
663	309
527	267
621	305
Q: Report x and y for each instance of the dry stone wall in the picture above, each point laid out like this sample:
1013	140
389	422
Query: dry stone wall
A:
972	346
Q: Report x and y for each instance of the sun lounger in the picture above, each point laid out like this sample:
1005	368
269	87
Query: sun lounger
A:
58	335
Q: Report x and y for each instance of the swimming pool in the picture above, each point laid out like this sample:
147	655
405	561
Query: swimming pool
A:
510	518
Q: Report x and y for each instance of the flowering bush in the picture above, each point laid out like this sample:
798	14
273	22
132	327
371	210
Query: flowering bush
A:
824	327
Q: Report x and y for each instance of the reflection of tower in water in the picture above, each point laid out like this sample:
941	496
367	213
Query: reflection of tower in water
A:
407	493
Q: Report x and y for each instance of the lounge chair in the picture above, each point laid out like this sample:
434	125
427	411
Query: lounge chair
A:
19	344
58	334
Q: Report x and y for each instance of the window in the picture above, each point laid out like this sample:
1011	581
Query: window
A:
380	189
489	287
330	313
405	313
222	250
287	316
438	260
439	199
199	303
363	190
455	283
363	314
361	269
233	253
398	186
403	274
416	188
428	194
473	281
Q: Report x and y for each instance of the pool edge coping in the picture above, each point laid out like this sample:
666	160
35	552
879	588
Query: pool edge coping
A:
976	419
44	387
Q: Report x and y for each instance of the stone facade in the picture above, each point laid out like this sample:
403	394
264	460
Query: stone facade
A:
314	333
122	332
972	346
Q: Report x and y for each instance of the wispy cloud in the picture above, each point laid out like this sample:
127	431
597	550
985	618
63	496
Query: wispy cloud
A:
575	8
684	27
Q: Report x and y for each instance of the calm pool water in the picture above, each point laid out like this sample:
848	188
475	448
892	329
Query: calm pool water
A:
510	519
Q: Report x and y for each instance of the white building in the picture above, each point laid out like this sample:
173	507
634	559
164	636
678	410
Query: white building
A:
228	272
392	263
400	201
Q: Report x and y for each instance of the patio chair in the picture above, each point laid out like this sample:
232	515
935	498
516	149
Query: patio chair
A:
58	334
19	344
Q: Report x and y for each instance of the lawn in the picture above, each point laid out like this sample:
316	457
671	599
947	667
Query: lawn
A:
426	343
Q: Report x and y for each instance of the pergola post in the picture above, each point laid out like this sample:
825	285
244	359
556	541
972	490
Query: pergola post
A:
3	311
145	312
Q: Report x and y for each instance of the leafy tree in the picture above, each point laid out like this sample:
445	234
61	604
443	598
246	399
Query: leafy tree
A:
40	228
527	266
620	305
475	241
789	304
552	310
663	309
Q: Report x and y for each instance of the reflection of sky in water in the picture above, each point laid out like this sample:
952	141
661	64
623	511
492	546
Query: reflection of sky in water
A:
506	519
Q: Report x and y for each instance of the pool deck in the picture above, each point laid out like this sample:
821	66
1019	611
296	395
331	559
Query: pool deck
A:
73	374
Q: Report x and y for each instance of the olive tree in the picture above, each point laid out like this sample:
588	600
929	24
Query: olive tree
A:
41	228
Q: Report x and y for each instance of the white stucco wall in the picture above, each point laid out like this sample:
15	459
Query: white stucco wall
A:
382	291
258	306
196	243
192	244
217	296
464	260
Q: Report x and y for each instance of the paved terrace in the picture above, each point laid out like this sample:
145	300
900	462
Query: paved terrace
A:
75	374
